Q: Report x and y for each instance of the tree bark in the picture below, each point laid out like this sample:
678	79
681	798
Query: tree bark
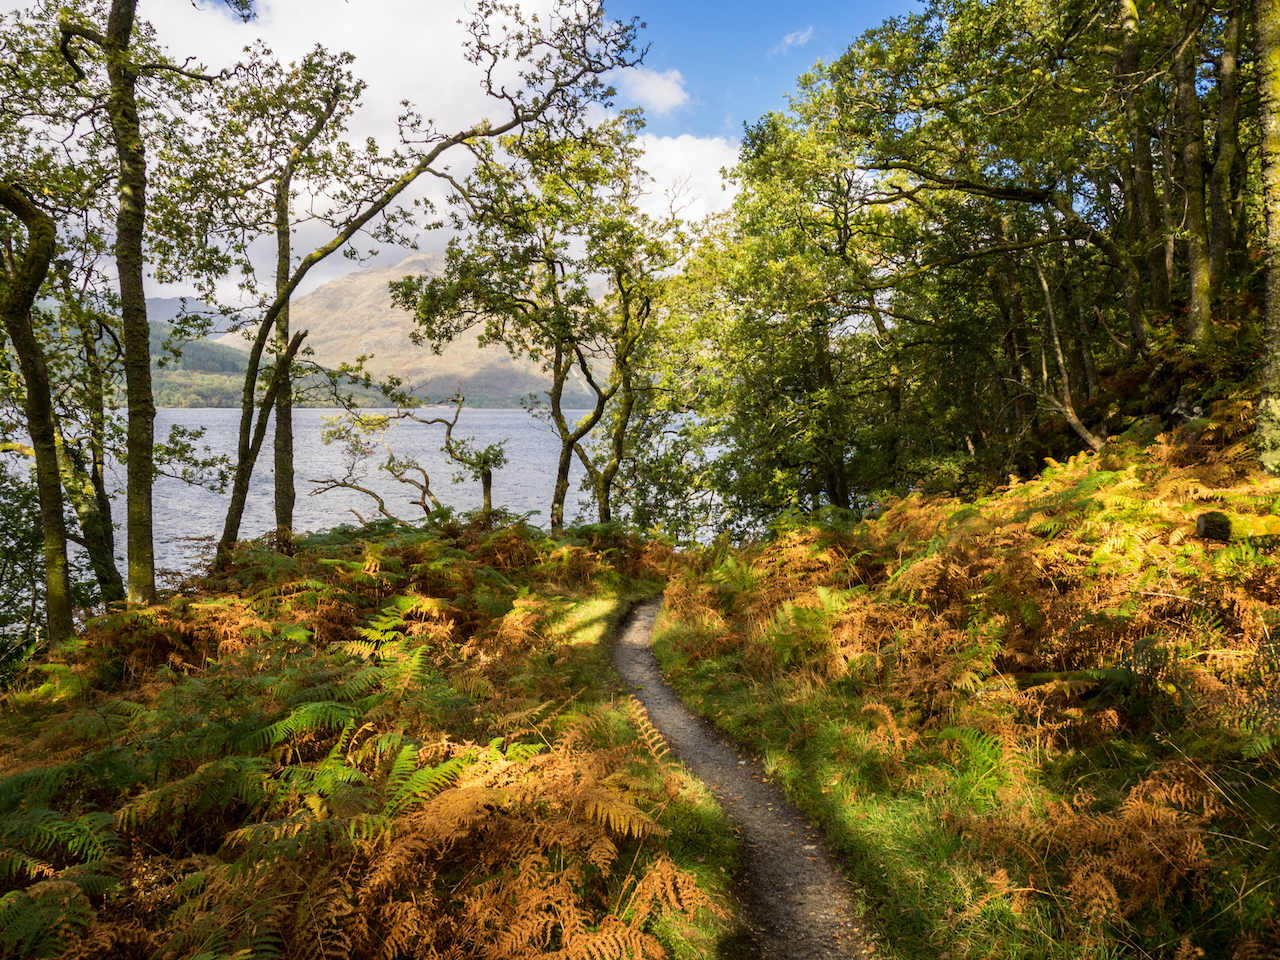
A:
1192	127
84	478
122	109
1222	219
1266	38
250	442
88	496
1087	360
1065	406
1166	201
1151	234
1131	281
285	494
570	436
18	293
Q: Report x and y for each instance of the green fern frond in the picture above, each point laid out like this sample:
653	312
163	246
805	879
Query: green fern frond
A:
300	835
32	788
383	744
34	922
523	752
17	866
215	784
91	878
87	837
406	782
293	632
365	649
359	684
411	670
309	718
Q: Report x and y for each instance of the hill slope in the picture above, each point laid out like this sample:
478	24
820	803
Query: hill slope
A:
353	316
1044	723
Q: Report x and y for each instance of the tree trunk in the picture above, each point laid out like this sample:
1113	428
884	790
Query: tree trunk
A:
1089	364
569	436
1192	129
122	106
892	384
1222	220
17	295
1150	232
88	497
285	494
1266	38
250	442
831	451
559	373
88	489
1130	275
486	487
1065	406
1166	202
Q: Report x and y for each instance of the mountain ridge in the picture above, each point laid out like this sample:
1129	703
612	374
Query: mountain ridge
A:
352	316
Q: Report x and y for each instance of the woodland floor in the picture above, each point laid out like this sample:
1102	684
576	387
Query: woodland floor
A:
796	903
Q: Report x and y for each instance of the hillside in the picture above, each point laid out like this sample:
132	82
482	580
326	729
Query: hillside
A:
1044	723
211	374
394	743
353	316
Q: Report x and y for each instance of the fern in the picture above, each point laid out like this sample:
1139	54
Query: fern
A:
86	837
304	720
611	806
36	922
406	782
214	785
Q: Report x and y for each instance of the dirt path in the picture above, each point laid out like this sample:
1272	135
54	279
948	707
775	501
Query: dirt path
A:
799	906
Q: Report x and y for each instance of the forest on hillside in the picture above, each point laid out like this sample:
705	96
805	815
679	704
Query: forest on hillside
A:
991	237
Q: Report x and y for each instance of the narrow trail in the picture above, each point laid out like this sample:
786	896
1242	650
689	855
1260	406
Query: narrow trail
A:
799	906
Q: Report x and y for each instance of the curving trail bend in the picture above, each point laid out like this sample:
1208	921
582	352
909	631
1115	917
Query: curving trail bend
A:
798	905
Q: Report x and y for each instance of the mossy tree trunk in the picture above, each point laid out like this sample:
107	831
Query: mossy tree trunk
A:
1266	38
23	273
1223	227
1150	230
285	494
1185	58
131	214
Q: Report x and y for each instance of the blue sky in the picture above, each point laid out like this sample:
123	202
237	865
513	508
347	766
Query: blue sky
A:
739	60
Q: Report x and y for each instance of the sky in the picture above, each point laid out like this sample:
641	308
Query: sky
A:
711	66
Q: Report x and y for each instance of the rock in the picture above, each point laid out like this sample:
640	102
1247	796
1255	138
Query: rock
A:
1217	525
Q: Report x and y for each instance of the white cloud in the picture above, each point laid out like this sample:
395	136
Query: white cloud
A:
659	93
797	38
404	50
692	165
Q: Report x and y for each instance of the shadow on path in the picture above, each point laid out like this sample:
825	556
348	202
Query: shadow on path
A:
800	906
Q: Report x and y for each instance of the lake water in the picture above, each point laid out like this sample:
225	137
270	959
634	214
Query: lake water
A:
523	486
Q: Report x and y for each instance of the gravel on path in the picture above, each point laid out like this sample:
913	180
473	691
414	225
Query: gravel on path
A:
798	904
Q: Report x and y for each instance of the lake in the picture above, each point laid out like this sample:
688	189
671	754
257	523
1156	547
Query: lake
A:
183	511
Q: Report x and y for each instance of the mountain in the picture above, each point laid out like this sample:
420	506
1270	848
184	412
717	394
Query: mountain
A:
211	374
165	309
353	315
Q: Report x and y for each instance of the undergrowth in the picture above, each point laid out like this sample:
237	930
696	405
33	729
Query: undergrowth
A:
1043	724
389	744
